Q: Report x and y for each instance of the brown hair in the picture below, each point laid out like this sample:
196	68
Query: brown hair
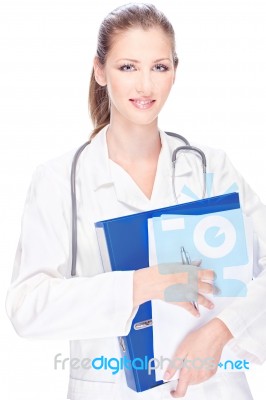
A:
122	18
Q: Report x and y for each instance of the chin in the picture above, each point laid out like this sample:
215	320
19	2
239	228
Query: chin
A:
143	119
146	122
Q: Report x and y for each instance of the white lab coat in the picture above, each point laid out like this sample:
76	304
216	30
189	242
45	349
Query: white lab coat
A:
92	309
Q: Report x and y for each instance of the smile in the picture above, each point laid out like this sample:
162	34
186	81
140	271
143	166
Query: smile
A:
142	104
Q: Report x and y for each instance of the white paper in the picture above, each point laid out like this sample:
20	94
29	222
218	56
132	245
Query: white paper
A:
171	323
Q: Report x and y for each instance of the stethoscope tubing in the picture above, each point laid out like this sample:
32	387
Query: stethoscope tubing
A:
186	147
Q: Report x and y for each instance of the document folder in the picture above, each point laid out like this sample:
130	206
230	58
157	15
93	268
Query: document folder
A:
124	246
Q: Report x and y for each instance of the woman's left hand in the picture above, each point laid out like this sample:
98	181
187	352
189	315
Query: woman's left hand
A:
201	351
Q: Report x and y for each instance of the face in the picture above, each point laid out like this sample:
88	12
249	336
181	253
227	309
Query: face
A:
139	73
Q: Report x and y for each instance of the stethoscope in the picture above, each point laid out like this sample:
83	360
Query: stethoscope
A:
186	147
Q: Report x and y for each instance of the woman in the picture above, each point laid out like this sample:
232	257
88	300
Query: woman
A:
126	169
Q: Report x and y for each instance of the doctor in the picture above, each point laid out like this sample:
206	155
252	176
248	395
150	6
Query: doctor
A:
127	169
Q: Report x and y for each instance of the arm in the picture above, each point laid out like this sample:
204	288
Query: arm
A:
41	301
246	317
244	322
205	343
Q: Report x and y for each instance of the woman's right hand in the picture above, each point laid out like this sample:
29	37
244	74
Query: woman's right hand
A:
151	283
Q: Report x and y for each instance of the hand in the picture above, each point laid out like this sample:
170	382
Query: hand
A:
202	284
151	283
206	343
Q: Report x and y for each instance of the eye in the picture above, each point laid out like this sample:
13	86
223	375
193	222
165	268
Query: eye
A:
160	67
127	68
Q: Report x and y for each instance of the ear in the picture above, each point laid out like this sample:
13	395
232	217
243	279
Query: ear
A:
99	72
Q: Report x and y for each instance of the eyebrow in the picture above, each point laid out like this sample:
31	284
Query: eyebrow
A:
137	61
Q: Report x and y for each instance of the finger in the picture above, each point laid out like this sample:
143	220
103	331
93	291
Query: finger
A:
176	363
206	274
182	386
203	301
204	287
196	263
188	306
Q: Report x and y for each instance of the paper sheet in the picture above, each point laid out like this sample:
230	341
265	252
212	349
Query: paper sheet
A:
171	323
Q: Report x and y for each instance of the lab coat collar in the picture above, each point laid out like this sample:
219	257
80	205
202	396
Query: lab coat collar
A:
101	172
169	144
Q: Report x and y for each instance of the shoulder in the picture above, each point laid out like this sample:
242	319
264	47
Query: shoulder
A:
214	156
59	165
53	175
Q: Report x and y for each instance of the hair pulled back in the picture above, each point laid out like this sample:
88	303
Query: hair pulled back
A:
129	16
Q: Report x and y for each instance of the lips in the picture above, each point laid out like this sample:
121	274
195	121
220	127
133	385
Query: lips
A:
142	104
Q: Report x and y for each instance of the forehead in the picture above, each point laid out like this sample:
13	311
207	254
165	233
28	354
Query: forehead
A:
137	43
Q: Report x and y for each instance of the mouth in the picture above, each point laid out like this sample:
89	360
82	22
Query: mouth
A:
142	104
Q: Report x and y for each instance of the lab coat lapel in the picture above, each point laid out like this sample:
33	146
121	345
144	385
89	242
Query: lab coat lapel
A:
128	192
105	172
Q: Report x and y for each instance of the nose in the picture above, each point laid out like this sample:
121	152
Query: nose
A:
144	83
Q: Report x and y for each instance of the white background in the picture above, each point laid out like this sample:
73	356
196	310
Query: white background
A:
46	51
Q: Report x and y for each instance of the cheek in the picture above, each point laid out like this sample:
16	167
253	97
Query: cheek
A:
118	86
166	87
163	82
113	92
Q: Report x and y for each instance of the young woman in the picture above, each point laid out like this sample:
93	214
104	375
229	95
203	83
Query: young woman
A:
127	169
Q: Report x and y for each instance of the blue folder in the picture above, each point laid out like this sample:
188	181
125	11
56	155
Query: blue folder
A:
123	245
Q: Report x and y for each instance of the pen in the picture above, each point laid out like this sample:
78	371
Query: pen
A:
186	260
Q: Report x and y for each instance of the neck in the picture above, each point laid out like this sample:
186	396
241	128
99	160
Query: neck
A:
133	143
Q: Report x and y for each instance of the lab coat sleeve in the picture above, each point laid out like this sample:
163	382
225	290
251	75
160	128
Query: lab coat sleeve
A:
41	302
246	317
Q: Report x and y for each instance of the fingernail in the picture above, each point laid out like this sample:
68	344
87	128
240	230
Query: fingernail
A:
166	376
198	261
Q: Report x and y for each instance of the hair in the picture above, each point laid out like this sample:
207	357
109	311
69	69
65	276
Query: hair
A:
125	17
